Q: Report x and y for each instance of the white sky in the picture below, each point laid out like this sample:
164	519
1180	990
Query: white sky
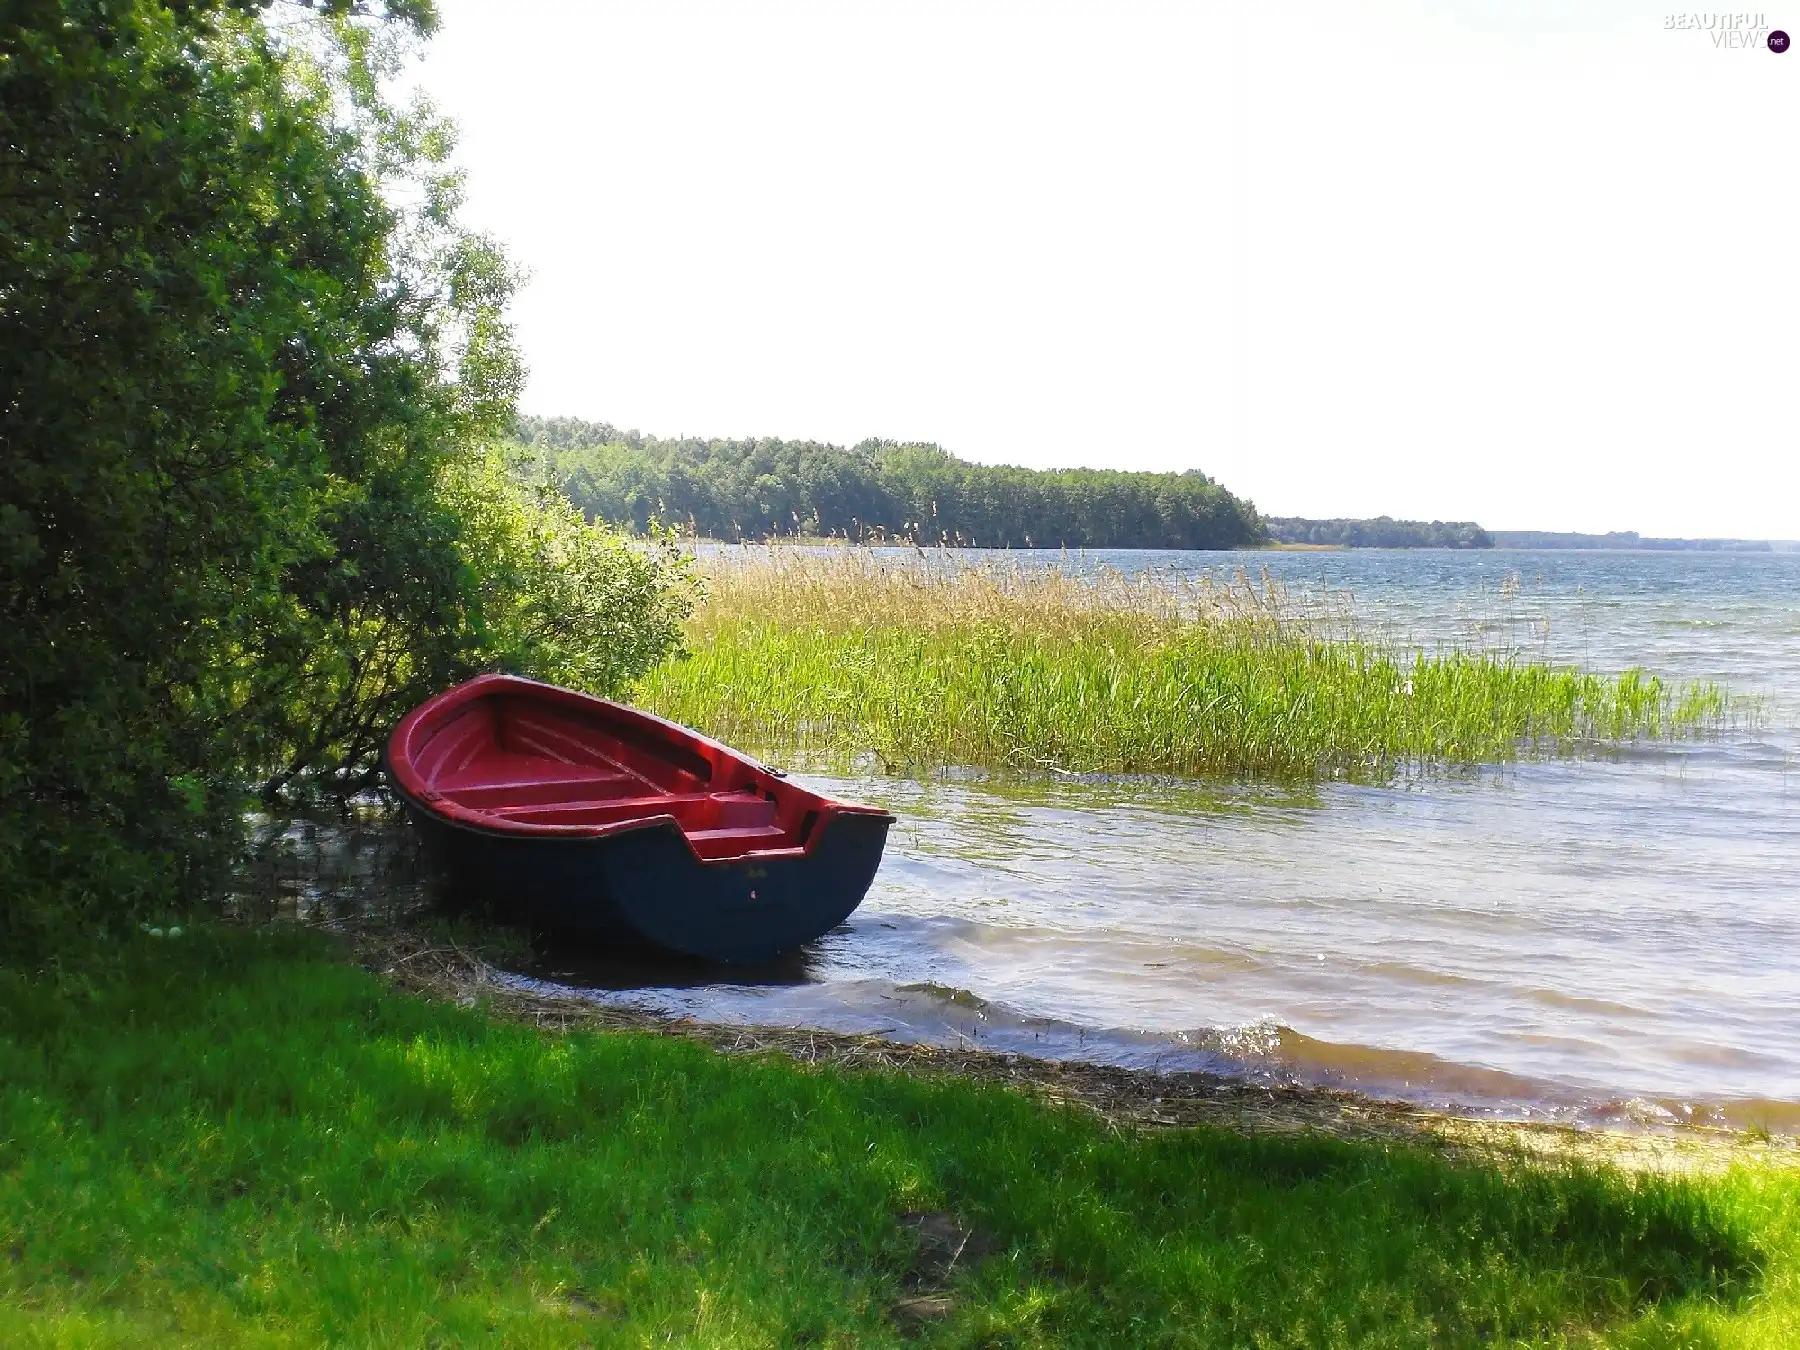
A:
1526	263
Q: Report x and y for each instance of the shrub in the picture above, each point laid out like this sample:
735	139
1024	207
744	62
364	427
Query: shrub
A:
248	363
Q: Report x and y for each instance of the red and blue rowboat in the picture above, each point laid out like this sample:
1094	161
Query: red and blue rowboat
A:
575	814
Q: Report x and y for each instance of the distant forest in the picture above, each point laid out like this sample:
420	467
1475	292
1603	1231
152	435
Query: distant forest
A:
1631	539
878	490
1382	532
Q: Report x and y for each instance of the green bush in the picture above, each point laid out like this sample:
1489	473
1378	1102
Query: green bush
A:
248	363
534	588
562	598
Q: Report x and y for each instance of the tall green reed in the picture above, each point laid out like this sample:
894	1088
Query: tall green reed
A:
934	661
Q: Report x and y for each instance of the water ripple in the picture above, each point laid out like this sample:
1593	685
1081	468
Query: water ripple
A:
1609	939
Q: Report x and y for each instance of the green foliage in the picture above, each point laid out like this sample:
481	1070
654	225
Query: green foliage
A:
235	379
931	665
1628	539
1381	532
225	1139
561	598
761	489
474	571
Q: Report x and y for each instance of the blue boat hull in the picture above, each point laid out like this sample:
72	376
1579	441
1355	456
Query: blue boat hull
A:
645	887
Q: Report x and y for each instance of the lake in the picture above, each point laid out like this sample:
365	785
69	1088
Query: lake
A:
1613	939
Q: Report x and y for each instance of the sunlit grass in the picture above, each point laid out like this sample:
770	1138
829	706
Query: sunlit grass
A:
232	1139
934	662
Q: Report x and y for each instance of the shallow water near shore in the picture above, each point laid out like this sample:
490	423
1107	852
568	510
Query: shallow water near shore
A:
1610	940
1604	940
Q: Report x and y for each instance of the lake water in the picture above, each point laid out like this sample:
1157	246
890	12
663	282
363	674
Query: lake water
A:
1608	940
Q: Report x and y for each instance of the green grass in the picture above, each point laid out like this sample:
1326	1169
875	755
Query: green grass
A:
931	666
233	1139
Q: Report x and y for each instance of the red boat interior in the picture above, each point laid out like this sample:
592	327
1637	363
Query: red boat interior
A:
521	761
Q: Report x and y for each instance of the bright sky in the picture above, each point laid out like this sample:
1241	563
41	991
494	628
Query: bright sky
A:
1527	263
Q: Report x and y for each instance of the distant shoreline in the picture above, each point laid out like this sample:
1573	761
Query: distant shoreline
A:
1709	546
1630	541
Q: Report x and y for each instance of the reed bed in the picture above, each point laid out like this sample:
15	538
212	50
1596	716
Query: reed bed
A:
935	661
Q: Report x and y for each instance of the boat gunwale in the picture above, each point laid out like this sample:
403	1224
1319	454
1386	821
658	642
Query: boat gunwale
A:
408	783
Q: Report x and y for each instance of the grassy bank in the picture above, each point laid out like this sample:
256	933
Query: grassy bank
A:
233	1139
937	663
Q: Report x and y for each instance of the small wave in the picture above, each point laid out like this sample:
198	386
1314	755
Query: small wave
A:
1262	1052
961	998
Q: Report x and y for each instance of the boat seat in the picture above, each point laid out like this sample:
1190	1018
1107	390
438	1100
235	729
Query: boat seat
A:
730	843
589	787
496	767
592	811
693	811
729	811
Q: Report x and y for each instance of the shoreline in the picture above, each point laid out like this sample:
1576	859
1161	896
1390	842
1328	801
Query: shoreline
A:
1138	1100
282	1130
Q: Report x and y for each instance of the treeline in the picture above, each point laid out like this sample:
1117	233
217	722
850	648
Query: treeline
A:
757	489
1382	532
1627	539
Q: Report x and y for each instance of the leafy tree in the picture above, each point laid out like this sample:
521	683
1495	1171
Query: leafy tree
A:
558	596
247	363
